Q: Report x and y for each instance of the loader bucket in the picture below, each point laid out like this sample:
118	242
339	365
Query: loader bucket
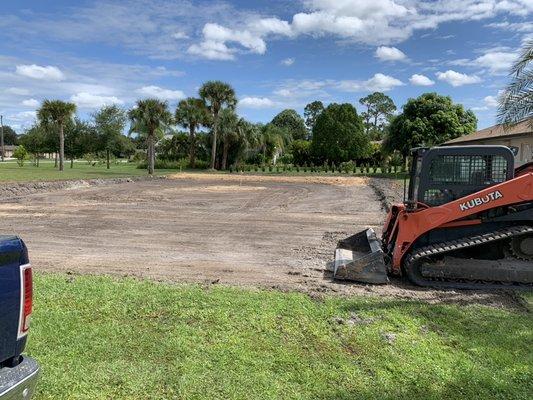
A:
360	258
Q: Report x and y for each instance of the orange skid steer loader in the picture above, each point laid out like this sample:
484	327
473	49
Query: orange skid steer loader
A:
467	222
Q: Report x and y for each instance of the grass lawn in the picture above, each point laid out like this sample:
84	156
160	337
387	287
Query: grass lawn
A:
11	172
106	338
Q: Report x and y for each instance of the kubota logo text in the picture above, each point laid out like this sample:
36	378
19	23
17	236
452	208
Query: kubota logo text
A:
467	205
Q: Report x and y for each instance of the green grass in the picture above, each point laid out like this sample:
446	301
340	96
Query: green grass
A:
11	172
105	338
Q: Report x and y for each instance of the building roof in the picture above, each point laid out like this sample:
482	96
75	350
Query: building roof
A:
496	131
10	147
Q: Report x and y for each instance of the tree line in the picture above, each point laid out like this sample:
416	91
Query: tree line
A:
217	138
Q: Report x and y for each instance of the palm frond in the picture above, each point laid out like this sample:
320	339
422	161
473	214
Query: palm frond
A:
516	102
526	56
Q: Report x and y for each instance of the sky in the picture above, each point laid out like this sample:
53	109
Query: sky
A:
277	54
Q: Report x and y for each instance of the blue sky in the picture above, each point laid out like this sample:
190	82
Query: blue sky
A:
277	54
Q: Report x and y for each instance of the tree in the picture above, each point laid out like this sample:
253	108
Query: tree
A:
217	95
301	152
339	135
148	119
248	136
311	113
34	140
292	122
192	113
380	108
228	123
175	147
21	154
516	102
57	113
80	139
10	136
274	140
428	120
110	122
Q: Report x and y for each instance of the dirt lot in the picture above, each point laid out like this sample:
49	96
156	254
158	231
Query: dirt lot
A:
266	231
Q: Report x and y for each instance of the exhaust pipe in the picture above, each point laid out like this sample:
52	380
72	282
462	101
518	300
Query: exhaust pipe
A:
360	258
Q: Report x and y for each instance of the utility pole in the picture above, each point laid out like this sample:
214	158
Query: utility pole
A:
2	136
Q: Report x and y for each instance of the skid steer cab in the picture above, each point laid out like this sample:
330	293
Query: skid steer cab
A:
466	222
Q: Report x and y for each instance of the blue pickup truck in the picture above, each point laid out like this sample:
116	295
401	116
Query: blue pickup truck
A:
18	373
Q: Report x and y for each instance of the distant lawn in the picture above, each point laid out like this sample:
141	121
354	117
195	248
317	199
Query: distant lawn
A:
106	338
11	172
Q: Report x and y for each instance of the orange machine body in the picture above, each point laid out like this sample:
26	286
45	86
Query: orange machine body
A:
404	227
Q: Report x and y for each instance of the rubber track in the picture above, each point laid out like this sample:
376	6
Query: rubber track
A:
446	247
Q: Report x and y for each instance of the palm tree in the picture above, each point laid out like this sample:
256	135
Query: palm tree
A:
149	117
248	137
192	113
274	138
516	103
217	94
57	112
228	123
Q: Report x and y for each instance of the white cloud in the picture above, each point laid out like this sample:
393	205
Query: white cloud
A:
30	103
385	53
21	118
420	80
266	26
218	33
212	51
496	62
161	93
18	91
256	102
457	79
47	73
287	62
285	92
367	21
379	22
491	101
179	35
89	100
512	26
379	83
160	29
215	38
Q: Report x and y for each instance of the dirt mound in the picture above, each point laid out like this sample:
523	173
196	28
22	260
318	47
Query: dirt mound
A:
388	191
242	178
14	190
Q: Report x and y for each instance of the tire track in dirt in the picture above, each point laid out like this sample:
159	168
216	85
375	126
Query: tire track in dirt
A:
209	230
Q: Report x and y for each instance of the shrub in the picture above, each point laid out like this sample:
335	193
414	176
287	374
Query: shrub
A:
286	159
182	163
21	154
347	166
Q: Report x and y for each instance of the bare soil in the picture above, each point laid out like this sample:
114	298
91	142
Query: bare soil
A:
261	231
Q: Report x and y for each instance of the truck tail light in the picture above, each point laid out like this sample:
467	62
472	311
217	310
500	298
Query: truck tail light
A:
26	299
